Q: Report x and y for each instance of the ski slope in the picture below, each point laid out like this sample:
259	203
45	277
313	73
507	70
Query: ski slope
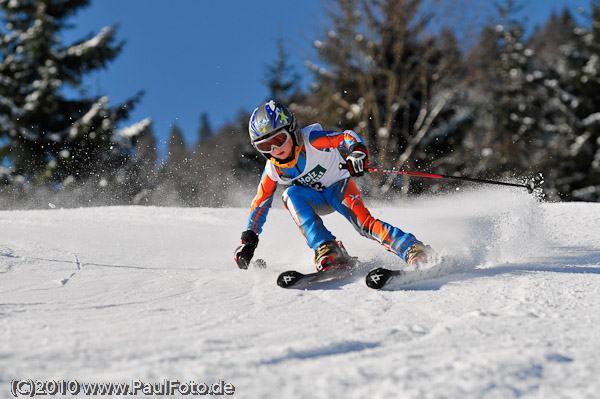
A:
123	294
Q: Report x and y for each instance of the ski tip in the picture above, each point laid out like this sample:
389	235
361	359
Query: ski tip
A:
377	278
288	279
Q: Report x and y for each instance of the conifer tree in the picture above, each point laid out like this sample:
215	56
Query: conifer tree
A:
281	78
205	130
514	90
577	85
45	136
144	173
179	174
514	107
176	146
385	77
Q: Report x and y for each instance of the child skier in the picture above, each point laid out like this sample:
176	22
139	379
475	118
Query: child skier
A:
308	161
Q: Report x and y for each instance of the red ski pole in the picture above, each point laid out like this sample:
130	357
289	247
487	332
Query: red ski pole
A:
530	186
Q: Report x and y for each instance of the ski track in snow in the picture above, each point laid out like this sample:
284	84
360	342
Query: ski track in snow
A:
118	294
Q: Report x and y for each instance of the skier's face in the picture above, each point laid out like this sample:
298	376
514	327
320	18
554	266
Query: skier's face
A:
283	152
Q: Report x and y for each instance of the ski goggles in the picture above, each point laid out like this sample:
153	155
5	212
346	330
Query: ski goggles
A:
277	140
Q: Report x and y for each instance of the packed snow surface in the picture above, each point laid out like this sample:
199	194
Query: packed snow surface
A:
122	294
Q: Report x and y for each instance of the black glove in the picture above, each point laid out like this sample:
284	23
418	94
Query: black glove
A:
358	160
245	252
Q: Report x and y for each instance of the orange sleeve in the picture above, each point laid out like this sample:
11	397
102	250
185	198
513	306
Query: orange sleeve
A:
261	203
321	139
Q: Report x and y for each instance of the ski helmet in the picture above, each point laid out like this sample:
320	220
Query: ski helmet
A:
270	117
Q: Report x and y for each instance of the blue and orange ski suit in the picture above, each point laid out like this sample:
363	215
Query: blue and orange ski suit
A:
318	187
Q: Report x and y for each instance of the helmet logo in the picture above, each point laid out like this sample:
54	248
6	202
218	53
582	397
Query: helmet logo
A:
272	118
276	113
282	116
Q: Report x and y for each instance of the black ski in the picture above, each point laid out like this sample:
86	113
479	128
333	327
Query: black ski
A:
295	279
378	278
443	266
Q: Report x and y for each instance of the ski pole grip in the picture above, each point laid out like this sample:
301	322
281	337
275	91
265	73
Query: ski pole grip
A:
342	166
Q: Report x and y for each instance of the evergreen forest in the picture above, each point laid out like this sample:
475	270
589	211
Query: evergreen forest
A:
507	106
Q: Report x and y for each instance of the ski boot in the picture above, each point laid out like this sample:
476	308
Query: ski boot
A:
330	254
418	255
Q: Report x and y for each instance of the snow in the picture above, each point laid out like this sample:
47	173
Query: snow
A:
79	49
95	110
592	119
14	110
135	129
117	294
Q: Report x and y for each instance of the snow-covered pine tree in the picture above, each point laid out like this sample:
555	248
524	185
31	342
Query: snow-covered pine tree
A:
46	137
513	102
385	76
550	43
577	82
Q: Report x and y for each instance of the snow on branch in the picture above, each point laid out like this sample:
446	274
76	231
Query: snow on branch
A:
88	117
7	126
592	119
93	42
15	111
578	144
13	4
135	129
94	110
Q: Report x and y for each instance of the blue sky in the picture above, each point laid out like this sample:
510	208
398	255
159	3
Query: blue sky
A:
194	56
